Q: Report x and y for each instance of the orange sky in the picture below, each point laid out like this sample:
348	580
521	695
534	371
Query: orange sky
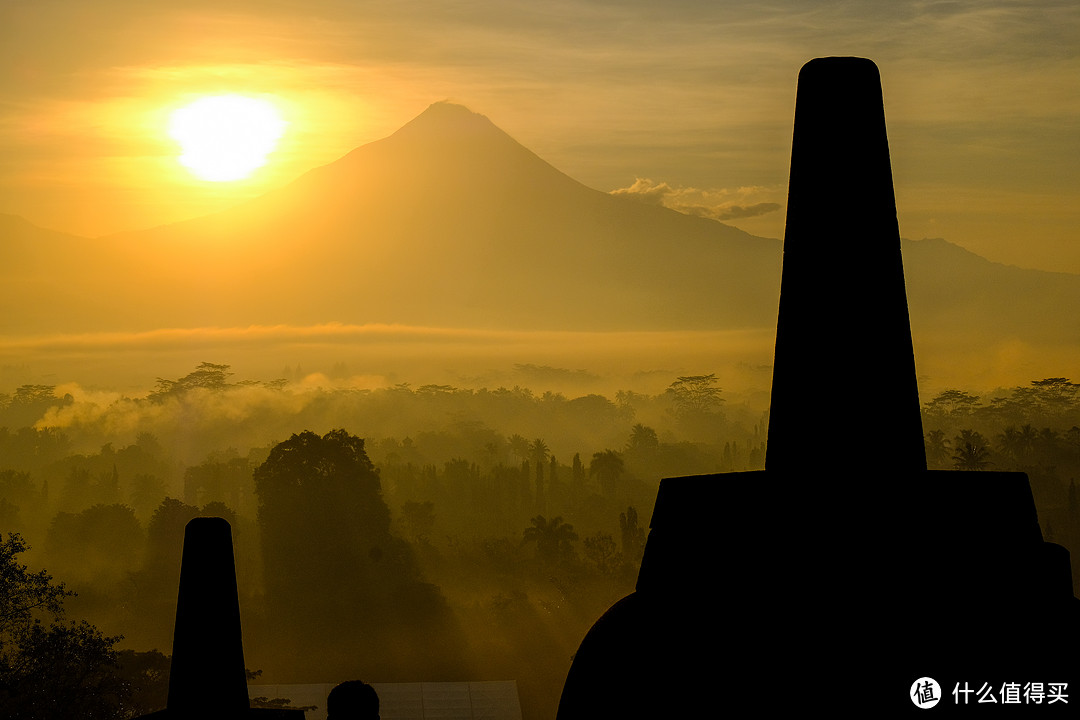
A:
690	99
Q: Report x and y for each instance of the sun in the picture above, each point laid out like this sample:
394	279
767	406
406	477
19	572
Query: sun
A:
226	137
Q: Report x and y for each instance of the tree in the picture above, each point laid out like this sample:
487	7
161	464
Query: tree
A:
22	593
49	668
554	538
633	536
519	446
99	545
608	467
1026	441
1010	444
165	534
538	453
952	402
600	550
554	487
1057	394
206	376
971	451
695	395
336	578
937	449
322	518
577	476
643	439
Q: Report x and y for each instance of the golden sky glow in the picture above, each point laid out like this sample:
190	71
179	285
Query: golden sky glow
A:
981	99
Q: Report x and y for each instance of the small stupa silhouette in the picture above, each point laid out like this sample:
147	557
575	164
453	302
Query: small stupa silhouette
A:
839	588
207	678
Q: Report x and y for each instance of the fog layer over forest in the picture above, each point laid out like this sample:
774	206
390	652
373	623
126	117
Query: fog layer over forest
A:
421	532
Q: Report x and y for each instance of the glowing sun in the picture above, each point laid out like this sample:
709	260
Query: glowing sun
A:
226	137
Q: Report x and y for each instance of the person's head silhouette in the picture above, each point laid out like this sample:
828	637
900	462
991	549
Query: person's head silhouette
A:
352	700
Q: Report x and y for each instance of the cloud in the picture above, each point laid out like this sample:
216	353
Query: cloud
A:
717	204
736	212
646	191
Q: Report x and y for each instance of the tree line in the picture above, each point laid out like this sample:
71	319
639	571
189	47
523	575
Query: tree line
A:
454	550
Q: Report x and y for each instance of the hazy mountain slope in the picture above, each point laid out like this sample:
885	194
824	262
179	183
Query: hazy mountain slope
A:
450	222
51	280
952	291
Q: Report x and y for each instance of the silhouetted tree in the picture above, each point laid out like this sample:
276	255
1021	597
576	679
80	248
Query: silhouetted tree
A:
970	451
937	449
1010	443
643	439
554	538
577	477
519	446
633	536
50	669
102	544
207	376
695	394
952	402
227	480
554	487
600	550
328	550
1026	440
538	454
608	467
165	534
322	519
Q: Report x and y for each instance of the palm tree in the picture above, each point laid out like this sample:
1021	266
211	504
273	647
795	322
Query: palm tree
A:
971	451
643	437
554	538
538	451
1011	443
519	446
1028	437
937	449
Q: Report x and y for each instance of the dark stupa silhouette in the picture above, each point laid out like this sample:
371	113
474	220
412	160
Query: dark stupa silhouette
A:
805	587
207	678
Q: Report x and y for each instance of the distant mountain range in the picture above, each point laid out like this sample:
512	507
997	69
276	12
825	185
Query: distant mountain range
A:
449	222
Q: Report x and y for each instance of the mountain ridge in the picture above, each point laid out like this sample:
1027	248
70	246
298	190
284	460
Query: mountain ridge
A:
451	222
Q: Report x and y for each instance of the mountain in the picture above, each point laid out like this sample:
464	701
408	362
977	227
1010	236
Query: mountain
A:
956	292
449	222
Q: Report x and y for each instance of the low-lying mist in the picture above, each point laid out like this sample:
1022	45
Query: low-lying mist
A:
496	521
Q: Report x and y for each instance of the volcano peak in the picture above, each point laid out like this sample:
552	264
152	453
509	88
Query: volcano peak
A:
446	119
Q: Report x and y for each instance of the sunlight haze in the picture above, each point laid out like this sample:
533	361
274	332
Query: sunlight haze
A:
427	299
226	137
981	100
